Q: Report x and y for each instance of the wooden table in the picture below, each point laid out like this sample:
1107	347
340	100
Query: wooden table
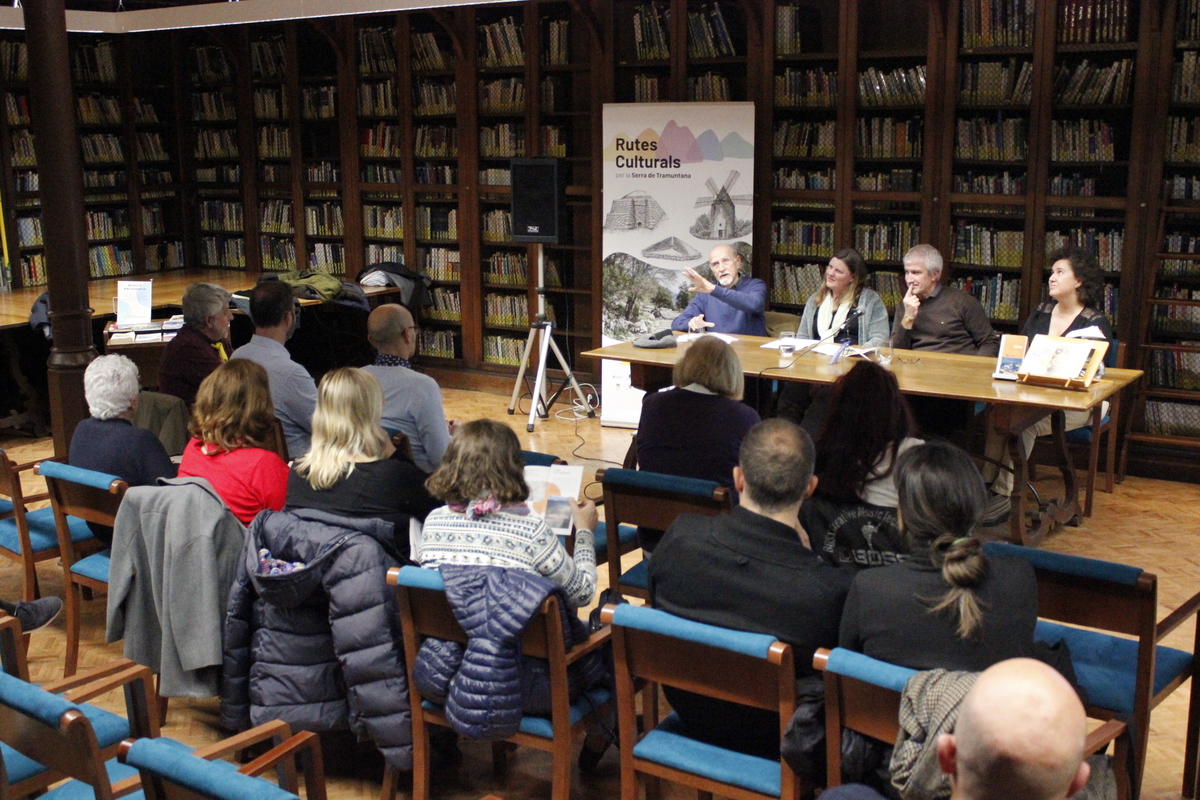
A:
1014	406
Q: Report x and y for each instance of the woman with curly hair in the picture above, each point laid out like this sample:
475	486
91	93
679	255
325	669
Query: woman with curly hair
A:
232	426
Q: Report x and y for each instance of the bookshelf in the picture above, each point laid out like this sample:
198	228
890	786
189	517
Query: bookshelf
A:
274	91
22	206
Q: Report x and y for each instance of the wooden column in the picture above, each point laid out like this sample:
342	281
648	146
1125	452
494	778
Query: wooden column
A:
60	172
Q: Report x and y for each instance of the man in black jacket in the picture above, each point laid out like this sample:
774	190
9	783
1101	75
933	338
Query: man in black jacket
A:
753	571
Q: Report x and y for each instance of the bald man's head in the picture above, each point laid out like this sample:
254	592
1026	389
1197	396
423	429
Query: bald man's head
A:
390	330
1020	733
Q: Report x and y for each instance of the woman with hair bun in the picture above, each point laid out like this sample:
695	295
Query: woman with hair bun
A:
951	606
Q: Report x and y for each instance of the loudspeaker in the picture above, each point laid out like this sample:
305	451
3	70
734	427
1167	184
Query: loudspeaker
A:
536	203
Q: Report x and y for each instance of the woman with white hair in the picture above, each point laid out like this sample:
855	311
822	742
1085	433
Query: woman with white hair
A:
107	441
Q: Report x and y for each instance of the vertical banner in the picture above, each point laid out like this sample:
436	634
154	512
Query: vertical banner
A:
678	181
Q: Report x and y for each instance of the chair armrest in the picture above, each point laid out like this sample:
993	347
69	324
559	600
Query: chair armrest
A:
597	639
138	683
35	498
1099	739
127	786
28	465
1177	617
275	729
63	685
313	766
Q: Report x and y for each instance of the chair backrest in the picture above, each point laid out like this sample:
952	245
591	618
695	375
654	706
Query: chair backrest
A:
10	484
170	772
12	649
780	321
84	493
535	459
654	500
861	694
279	443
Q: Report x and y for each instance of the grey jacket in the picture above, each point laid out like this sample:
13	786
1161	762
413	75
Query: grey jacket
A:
176	547
873	328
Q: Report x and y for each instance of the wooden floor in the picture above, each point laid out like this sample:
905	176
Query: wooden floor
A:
1147	523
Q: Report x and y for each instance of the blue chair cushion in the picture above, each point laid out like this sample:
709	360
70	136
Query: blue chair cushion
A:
628	535
867	669
42	534
6	506
1084	435
209	778
1067	564
94	566
643	618
660	482
637	576
78	790
87	477
1106	665
420	578
667	745
588	702
534	459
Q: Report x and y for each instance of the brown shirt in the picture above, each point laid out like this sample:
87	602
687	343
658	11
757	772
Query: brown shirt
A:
950	321
186	361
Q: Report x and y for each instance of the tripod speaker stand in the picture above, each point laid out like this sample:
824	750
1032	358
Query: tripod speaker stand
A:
540	404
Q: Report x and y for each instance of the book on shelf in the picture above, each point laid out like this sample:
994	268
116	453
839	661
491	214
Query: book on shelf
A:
376	51
268	60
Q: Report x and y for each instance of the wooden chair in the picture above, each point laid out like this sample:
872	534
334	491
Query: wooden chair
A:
1122	676
29	537
862	694
278	443
169	772
637	498
535	459
748	668
93	497
425	613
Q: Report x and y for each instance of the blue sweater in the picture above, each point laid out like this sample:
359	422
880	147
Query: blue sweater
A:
740	309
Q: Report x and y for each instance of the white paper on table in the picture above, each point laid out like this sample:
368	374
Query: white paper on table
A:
148	338
688	337
550	489
1091	332
800	343
831	349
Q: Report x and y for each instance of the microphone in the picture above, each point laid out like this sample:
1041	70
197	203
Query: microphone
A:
852	315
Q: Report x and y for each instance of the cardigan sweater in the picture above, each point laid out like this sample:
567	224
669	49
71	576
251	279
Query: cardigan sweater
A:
950	321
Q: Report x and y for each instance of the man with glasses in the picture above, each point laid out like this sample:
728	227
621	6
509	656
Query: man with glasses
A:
735	304
412	402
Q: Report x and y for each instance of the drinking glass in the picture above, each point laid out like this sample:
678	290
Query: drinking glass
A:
883	353
787	343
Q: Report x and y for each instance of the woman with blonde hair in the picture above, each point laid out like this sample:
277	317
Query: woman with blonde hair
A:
233	424
352	469
485	521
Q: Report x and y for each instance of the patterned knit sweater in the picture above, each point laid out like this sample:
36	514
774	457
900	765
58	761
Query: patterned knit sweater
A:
513	541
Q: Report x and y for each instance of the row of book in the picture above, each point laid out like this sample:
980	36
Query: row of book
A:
1178	268
324	219
436	97
221	173
554	141
896	180
446	304
1181	242
101	148
511	269
222	251
886	241
999	297
1176	319
109	261
149	147
552	274
1175	369
1106	245
711	87
29	231
506	350
797	29
496	225
156	177
556	49
502	44
822	179
505	140
554	94
94	63
1183	139
143	111
384	173
376	51
327	257
708	35
378	99
979	244
154	223
216	106
502	95
1090	84
1072	185
1081	140
793	237
437	223
437	343
435	141
492	176
440	263
996	83
650	39
322	172
112	224
888	137
221	215
890	287
26	180
270	102
33	269
376	253
318	102
803	139
381	141
14	62
1172	419
986	139
902	86
210	65
92	109
987	23
268	60
1093	21
165	255
427	54
793	283
16	109
22	148
506	309
384	222
278	255
645	88
216	143
274	141
275	216
806	88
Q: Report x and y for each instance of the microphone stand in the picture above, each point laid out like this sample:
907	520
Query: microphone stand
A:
854	314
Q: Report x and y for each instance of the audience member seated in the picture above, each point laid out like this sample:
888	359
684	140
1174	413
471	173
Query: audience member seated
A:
751	570
107	441
352	469
34	614
273	309
950	606
200	346
1019	734
852	516
232	424
1076	288
485	521
412	402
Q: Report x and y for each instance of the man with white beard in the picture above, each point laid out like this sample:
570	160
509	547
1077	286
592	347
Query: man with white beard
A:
735	304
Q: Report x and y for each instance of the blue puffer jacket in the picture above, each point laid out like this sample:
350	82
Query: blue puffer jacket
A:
318	648
488	687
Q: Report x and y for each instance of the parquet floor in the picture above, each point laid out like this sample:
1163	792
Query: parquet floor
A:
1152	524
